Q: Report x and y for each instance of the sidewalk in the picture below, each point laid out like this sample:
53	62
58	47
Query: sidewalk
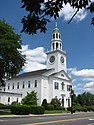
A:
32	115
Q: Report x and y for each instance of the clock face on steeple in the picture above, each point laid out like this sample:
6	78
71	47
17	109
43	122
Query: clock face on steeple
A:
62	59
52	59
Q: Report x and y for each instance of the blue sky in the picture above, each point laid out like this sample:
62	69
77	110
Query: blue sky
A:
77	37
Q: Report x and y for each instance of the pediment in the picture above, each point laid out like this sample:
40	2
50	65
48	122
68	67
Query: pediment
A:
62	75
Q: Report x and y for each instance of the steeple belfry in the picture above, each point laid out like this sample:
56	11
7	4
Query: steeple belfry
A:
56	42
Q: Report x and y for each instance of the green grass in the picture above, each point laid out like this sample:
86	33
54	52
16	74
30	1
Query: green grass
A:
55	111
5	112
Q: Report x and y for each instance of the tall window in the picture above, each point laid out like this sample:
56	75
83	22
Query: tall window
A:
56	85
18	85
53	36
23	86
8	85
69	87
28	84
56	45
13	86
62	85
17	99
35	83
4	89
56	35
8	99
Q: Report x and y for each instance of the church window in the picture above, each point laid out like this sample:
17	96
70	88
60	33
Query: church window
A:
18	85
17	99
59	35
4	89
69	87
8	99
8	86
13	86
56	45
62	85
23	85
56	85
35	83
28	84
60	45
68	102
53	36
53	46
56	35
62	75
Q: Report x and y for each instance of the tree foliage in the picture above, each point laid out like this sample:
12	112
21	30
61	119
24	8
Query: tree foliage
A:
11	59
30	98
55	102
84	99
40	11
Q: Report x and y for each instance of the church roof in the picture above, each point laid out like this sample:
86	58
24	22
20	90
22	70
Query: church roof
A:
33	73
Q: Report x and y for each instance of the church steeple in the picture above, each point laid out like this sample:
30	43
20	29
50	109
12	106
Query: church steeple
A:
56	42
56	58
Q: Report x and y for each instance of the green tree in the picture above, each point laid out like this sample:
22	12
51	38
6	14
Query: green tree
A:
73	97
30	99
85	99
11	59
39	12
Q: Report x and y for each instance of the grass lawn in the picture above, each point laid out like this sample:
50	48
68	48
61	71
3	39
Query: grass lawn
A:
5	112
55	111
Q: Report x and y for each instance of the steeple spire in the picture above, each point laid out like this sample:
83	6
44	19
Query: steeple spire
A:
56	42
56	24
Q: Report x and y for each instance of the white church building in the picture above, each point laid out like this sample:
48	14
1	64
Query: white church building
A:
49	83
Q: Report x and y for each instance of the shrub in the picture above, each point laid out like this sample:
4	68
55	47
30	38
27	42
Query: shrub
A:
14	103
44	103
20	109
50	107
26	110
2	106
37	109
60	108
55	102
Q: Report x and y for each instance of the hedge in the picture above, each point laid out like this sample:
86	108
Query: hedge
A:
50	107
37	109
26	110
80	108
2	106
20	109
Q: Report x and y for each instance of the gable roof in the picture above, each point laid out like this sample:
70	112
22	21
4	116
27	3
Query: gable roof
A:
33	73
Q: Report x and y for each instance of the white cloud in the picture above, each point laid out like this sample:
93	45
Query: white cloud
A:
34	58
88	73
89	85
84	79
67	12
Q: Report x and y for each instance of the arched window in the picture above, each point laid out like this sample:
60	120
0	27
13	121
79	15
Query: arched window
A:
59	35
56	45
53	36
8	99
56	35
60	45
53	46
